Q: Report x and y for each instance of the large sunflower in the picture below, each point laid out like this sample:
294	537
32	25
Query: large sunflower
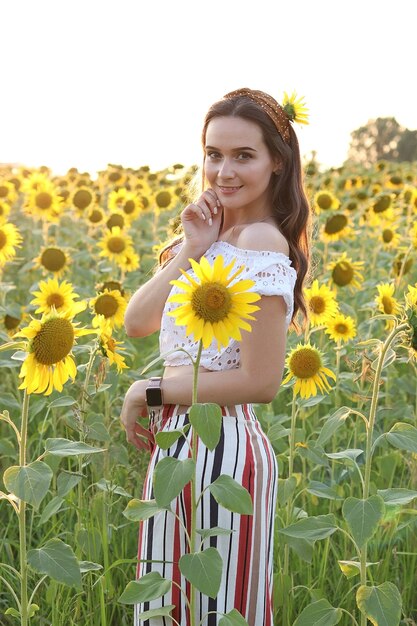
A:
214	308
44	203
337	227
10	239
346	273
305	364
61	297
49	363
111	305
341	327
115	244
321	302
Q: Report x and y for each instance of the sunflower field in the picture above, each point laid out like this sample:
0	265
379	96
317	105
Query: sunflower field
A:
73	249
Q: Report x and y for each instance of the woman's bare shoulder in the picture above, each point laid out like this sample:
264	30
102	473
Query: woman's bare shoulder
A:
262	236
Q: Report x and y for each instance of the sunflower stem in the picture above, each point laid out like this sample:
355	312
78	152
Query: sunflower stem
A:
24	614
369	438
194	443
290	500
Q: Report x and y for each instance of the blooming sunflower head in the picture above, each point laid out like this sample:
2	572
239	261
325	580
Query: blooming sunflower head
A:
111	305
341	328
295	108
49	362
305	365
321	301
53	259
58	296
346	273
10	239
213	306
386	302
325	200
115	244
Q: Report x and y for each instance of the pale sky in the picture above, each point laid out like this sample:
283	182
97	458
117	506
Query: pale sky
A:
91	82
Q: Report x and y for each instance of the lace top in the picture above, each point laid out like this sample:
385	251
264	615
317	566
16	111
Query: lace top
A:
272	274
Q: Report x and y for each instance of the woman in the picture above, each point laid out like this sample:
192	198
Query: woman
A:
252	209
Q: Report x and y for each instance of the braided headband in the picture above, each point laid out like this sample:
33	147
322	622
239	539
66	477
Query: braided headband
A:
293	109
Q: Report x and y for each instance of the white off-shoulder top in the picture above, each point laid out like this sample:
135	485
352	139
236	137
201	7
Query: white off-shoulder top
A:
273	276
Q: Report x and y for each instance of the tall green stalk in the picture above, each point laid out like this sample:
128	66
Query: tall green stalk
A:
369	439
193	480
24	621
285	606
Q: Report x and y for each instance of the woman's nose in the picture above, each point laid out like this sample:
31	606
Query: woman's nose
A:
226	169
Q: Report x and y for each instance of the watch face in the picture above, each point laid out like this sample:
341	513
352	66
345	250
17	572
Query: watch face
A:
153	396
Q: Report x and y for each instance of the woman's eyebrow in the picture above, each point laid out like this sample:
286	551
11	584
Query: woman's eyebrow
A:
233	149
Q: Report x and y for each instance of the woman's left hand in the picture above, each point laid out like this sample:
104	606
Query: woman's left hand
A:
134	406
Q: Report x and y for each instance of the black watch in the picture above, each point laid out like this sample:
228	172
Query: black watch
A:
153	392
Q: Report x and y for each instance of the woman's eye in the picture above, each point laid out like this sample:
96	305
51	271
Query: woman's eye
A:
213	155
245	155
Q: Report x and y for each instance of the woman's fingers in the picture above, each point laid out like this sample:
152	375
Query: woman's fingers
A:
206	206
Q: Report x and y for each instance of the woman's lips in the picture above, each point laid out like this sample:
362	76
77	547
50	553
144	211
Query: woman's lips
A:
229	190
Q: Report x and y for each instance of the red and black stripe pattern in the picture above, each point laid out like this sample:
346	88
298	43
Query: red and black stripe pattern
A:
245	453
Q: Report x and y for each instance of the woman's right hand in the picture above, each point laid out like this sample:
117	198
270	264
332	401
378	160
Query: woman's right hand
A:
201	221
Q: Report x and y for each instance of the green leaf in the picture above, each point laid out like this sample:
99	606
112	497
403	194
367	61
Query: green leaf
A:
352	568
286	488
139	510
403	436
232	496
165	439
13	612
170	477
206	419
313	452
302	547
216	531
397	496
148	587
66	481
320	613
163	611
322	490
312	528
66	447
350	454
30	483
62	401
51	508
233	618
57	560
106	485
363	517
381	605
332	424
89	566
203	570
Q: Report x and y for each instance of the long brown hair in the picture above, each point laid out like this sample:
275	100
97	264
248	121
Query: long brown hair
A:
290	205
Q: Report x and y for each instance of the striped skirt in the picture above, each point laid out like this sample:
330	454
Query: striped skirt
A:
245	453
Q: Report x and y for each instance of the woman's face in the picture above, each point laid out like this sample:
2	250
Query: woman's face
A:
237	164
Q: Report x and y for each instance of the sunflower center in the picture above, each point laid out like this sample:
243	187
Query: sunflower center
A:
115	220
82	198
382	204
55	299
95	216
317	304
3	239
305	363
341	328
163	198
53	259
110	285
387	235
116	244
106	305
343	273
3	191
129	207
335	224
11	322
211	302
387	304
324	201
43	200
54	341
